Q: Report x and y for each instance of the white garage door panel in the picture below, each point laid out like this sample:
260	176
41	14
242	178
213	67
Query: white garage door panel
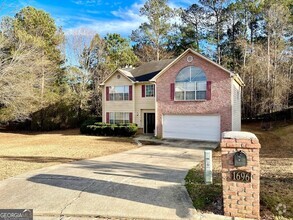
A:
199	127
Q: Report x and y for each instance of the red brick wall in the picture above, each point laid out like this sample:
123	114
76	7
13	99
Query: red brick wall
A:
241	199
219	104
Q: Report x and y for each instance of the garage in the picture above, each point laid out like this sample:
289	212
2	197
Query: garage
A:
193	127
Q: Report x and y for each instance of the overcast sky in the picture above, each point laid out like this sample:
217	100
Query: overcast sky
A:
119	16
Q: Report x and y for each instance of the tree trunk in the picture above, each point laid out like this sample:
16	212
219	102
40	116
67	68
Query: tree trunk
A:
252	112
197	37
218	41
79	112
268	59
158	54
269	84
42	94
233	42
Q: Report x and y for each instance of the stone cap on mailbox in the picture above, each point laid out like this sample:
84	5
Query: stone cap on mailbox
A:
238	135
239	139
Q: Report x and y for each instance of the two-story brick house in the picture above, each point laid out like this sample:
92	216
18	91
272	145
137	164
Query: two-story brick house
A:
190	97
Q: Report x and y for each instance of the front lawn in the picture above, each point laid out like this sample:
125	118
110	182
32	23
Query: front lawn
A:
276	159
21	152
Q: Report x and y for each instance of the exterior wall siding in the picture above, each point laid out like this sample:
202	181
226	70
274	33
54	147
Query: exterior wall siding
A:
142	105
220	103
117	106
236	106
138	105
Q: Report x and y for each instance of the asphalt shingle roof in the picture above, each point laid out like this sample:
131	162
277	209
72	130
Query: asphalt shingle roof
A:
147	71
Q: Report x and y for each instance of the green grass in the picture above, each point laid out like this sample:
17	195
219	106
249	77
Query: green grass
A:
203	196
206	198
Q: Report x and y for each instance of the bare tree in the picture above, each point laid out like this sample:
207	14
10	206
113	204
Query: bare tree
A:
19	81
86	69
277	22
79	72
257	97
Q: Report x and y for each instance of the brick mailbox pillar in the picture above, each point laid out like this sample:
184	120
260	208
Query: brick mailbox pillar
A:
240	174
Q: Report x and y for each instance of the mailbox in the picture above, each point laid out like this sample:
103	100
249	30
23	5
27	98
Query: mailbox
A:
240	159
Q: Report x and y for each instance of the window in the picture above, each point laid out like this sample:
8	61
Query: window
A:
119	118
119	93
150	90
190	84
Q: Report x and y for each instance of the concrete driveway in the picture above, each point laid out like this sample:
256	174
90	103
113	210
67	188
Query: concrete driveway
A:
145	183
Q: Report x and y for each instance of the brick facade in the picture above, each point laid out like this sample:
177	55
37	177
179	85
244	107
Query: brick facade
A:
241	199
220	103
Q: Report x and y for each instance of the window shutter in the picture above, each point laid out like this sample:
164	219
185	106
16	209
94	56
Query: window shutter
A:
107	93
107	117
172	91
130	117
130	92
209	90
143	91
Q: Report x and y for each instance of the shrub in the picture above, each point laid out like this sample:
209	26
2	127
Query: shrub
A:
90	121
104	129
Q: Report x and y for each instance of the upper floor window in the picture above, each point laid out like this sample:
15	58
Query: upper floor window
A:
119	93
149	90
191	84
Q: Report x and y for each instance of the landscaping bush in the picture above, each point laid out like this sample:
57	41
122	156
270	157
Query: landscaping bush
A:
90	121
104	129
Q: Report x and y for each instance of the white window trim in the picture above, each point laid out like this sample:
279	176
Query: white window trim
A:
145	88
116	93
195	91
126	117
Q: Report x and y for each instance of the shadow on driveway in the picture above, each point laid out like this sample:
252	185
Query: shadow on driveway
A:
141	194
147	182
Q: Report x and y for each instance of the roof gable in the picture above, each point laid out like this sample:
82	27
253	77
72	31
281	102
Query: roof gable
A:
144	72
125	73
151	71
235	76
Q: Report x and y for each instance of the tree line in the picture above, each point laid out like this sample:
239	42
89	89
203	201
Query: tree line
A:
54	79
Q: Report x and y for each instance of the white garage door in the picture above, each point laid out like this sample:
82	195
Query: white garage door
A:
199	127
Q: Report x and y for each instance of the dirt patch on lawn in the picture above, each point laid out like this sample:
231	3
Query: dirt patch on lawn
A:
21	152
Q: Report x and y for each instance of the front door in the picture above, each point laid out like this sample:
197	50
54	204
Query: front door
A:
149	123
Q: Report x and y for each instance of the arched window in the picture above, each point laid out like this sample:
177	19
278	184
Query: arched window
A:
191	84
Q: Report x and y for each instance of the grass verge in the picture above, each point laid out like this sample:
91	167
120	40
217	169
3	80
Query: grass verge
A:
206	198
276	181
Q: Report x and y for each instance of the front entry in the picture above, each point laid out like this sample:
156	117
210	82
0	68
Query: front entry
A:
149	123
